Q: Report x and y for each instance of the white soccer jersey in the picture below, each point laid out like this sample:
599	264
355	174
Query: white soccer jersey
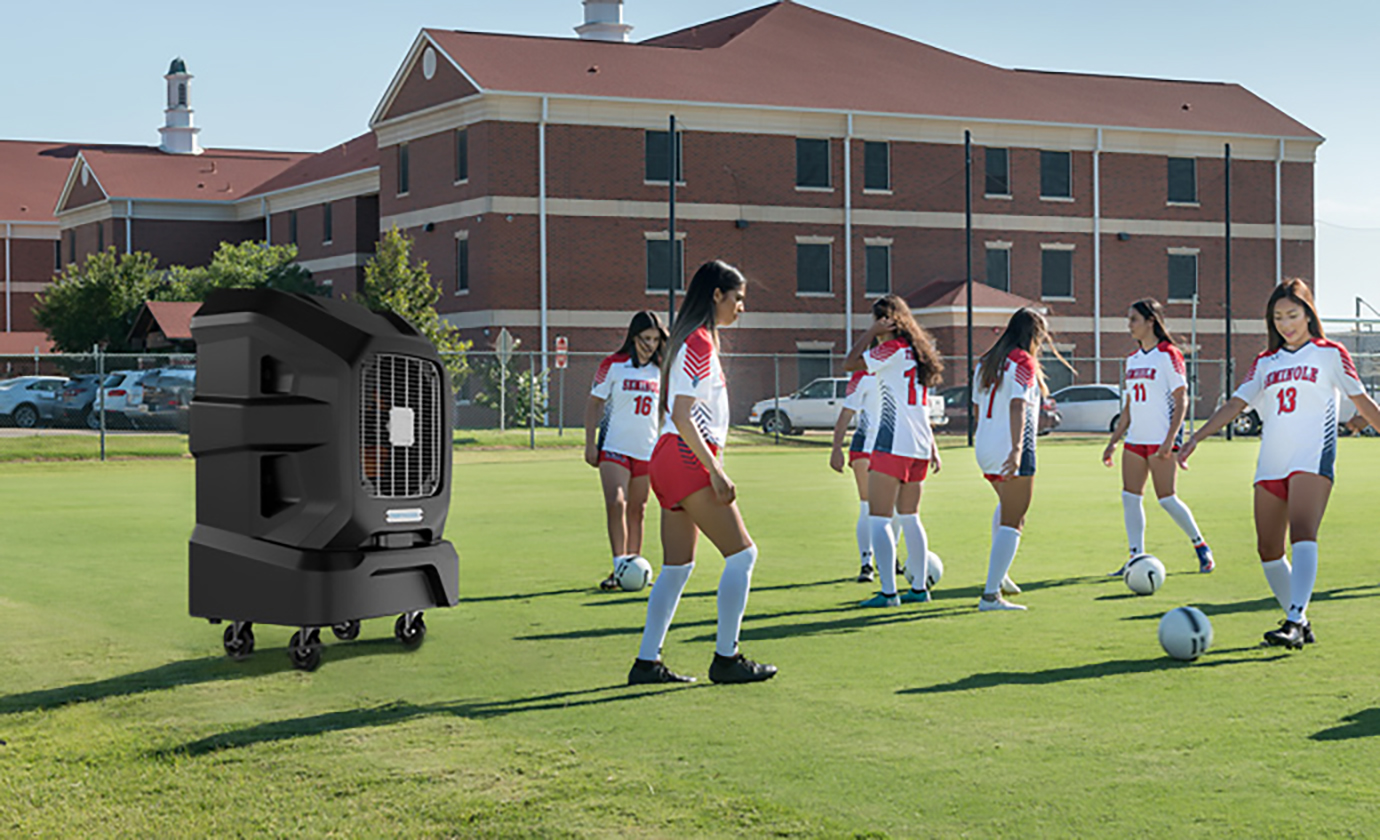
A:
630	396
903	420
1152	377
864	401
1295	394
696	372
992	441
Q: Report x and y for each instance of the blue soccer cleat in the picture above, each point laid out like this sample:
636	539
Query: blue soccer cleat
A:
881	600
916	596
1205	561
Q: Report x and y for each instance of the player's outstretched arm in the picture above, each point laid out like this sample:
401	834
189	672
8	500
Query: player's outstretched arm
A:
1214	424
690	433
1122	424
836	459
594	412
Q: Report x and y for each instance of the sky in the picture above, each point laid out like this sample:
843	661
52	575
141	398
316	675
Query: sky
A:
307	75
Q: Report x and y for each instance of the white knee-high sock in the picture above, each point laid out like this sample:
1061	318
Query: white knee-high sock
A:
661	608
884	552
1004	547
996	520
1182	516
896	534
1134	513
734	584
1277	574
1301	580
864	533
917	543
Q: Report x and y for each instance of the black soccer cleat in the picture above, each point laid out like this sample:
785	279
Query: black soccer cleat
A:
739	669
654	673
609	584
1290	635
866	575
1308	637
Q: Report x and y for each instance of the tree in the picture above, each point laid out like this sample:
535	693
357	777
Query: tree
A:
394	283
96	301
245	265
519	400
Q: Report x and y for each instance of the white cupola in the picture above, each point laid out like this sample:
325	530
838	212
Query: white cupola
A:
604	21
179	135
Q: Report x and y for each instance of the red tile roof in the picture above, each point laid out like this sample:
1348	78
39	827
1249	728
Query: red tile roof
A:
351	156
947	293
31	177
174	318
23	343
215	175
789	55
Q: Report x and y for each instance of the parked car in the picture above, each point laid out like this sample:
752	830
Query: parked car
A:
167	400
956	411
123	389
817	406
1088	408
75	401
30	401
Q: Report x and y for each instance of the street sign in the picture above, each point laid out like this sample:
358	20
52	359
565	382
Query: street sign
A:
562	344
561	361
504	346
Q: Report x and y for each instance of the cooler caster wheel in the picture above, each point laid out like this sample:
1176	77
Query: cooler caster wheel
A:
410	629
305	649
346	631
239	640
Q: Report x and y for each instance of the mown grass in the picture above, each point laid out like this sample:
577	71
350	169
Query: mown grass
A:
121	717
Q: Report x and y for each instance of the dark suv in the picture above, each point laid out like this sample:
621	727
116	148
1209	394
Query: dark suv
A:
167	399
74	403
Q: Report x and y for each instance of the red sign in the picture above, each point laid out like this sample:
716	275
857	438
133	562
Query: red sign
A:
561	361
562	345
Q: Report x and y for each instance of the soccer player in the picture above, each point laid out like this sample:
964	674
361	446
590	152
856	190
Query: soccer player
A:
690	483
1293	386
862	401
1152	417
621	429
1010	385
906	365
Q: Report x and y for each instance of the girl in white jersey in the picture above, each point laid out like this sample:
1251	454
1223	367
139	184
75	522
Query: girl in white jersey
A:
1152	418
621	429
864	402
906	366
690	483
1009	388
1293	386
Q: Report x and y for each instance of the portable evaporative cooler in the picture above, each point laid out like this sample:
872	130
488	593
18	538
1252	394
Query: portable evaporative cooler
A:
321	432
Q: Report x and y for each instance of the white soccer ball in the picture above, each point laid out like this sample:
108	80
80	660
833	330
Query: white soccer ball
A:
1144	574
633	573
1185	633
935	570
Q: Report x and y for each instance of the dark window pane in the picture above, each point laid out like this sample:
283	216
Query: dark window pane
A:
1183	180
404	170
327	222
1056	273
878	270
100	237
462	265
876	166
812	268
657	156
292	226
1056	175
659	264
57	254
999	268
998	173
1183	276
462	154
812	365
811	163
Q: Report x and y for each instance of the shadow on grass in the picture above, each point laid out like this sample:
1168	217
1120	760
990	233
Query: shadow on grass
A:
402	711
526	596
1363	724
1343	593
617	597
1090	671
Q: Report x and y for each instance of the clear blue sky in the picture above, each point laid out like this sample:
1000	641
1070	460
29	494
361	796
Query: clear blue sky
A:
307	75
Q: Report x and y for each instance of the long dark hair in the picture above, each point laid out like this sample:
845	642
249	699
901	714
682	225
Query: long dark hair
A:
1296	290
928	364
1150	310
641	322
697	310
1026	331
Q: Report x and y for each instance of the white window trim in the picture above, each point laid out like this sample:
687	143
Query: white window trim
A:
815	345
812	294
814	240
998	196
662	236
878	241
1183	252
799	188
1058	246
1059	199
998	245
1183	204
461	183
662	183
462	234
877	192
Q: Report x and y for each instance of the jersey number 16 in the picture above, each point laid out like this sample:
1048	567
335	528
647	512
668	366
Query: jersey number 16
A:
643	405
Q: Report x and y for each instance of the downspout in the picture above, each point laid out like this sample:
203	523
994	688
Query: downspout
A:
1097	256
541	217
9	234
268	222
848	237
129	226
1279	215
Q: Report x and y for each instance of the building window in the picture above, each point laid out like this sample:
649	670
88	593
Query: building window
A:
327	223
182	94
999	268
1183	276
998	172
1056	272
462	264
292	226
659	264
57	255
100	237
462	155
878	258
811	162
1056	175
812	264
71	246
812	365
1183	180
657	156
876	166
404	170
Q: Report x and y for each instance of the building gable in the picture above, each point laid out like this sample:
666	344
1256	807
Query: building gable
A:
82	187
429	77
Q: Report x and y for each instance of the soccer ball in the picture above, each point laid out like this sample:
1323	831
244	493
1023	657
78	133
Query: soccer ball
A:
1185	633
935	568
633	573
1144	574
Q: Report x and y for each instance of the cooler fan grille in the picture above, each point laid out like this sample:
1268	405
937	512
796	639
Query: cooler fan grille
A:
400	427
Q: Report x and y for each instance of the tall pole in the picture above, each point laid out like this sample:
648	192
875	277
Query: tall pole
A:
968	252
673	158
1230	368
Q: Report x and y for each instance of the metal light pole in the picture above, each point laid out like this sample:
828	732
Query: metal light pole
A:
1230	368
673	158
968	252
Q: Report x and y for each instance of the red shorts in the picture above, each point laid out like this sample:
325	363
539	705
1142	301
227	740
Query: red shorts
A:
676	472
1145	450
858	456
1280	486
633	465
995	479
906	470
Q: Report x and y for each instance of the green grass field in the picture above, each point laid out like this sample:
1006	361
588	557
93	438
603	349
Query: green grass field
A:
121	717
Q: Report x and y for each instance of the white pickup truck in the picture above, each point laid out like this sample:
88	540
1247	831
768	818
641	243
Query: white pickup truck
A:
817	406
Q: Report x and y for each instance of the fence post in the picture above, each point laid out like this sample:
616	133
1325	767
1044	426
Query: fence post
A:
532	401
560	412
776	399
502	395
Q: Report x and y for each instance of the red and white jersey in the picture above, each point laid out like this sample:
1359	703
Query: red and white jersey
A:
1295	394
903	420
864	400
992	440
1152	377
696	372
630	395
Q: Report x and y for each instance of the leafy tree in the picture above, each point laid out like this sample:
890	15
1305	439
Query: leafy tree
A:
97	300
514	381
245	265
